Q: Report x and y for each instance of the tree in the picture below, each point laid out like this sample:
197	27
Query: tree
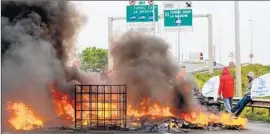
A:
94	58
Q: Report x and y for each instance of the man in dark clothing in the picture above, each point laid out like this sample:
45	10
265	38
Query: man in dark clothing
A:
226	88
246	99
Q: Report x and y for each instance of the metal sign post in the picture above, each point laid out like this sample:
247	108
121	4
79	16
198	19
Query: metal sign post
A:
178	33
152	3
177	17
237	50
251	41
210	37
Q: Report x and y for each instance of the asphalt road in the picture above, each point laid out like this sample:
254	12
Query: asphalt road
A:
253	128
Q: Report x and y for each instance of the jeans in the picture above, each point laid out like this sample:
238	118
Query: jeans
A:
241	105
228	104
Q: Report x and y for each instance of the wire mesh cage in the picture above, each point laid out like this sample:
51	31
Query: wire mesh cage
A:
100	107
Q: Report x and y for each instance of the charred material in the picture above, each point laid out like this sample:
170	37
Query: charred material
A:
37	38
100	107
145	64
209	103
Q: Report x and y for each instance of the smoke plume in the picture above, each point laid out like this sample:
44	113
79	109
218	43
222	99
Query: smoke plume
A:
37	38
144	63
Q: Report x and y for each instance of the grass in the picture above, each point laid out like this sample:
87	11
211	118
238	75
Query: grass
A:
260	114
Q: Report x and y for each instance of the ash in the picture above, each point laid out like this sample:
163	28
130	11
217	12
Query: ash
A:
148	125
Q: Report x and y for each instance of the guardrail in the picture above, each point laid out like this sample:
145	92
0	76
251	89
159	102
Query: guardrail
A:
256	103
205	69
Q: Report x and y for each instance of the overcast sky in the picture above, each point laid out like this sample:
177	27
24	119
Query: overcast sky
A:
95	32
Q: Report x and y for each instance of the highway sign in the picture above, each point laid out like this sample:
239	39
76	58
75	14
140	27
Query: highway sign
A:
231	64
141	13
177	4
188	4
177	17
231	55
194	56
251	56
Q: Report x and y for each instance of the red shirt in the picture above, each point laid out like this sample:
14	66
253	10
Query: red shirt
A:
226	85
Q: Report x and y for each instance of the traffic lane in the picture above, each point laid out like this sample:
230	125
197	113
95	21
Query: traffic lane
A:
252	128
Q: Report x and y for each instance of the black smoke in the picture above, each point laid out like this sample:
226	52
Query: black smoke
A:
145	64
37	39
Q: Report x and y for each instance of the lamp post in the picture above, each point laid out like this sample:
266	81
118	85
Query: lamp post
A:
251	41
237	49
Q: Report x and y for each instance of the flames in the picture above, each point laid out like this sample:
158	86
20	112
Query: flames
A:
22	118
202	119
63	107
155	110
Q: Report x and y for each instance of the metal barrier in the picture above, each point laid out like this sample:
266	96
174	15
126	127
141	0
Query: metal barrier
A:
256	103
100	107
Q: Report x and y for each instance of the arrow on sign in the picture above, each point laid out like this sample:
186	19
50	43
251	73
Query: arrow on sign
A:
188	4
142	17
177	21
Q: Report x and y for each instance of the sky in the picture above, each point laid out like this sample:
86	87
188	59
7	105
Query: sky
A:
95	31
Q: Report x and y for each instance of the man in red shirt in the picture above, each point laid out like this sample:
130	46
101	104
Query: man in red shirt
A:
226	88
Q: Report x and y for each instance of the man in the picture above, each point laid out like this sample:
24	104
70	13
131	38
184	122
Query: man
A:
226	88
246	99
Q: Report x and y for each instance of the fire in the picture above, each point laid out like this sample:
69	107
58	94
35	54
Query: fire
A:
63	107
202	119
22	117
155	110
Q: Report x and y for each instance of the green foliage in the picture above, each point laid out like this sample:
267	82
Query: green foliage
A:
256	68
260	114
94	58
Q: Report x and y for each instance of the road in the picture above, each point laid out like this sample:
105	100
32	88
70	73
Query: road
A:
198	66
253	127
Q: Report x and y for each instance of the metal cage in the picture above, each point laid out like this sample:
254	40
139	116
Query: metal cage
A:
100	107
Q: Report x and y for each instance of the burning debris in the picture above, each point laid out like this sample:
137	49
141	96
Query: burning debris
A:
37	38
144	63
23	117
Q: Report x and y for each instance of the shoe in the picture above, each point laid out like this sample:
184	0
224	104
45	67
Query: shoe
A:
234	117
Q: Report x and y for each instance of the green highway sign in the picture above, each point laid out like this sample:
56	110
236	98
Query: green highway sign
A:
172	18
141	13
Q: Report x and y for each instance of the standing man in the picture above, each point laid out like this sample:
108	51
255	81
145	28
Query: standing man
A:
246	99
226	88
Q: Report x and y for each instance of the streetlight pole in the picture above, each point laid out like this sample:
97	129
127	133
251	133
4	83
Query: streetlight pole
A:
220	36
237	49
178	34
154	19
251	41
210	44
215	46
